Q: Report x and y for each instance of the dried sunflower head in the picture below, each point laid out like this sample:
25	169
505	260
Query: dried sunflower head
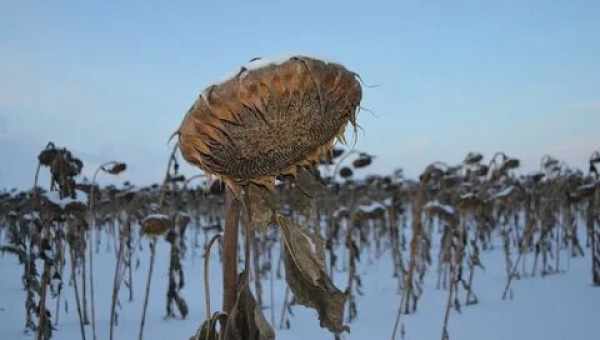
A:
156	225
116	168
362	161
268	120
346	172
473	158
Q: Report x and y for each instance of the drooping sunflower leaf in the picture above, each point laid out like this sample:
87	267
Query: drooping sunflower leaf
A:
182	306
308	183
246	321
300	192
208	330
305	274
261	204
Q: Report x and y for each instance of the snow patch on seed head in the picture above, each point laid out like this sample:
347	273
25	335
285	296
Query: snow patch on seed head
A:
258	63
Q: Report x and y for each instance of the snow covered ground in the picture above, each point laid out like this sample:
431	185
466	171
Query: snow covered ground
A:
558	307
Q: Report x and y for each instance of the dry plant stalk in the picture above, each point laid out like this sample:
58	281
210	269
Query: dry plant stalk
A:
113	168
415	252
152	226
230	249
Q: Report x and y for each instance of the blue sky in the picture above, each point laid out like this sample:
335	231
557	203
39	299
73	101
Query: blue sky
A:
112	80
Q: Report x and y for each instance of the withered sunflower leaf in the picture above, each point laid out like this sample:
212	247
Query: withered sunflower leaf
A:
308	183
261	204
246	321
299	201
208	329
182	306
304	262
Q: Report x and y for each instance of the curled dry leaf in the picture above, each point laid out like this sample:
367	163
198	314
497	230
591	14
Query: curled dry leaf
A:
261	204
208	330
296	200
305	274
299	196
246	321
308	183
184	310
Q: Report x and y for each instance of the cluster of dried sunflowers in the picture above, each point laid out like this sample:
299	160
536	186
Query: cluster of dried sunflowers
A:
265	123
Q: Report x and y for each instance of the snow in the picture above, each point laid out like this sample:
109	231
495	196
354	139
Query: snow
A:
467	196
588	186
31	216
156	217
557	307
371	206
505	192
340	210
256	64
54	197
435	204
439	166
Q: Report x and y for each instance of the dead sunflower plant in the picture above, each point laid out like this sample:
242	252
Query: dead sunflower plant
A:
271	119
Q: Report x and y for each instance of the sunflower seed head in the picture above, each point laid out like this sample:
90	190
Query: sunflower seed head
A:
264	122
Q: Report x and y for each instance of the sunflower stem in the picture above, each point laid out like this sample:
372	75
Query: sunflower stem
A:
230	248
